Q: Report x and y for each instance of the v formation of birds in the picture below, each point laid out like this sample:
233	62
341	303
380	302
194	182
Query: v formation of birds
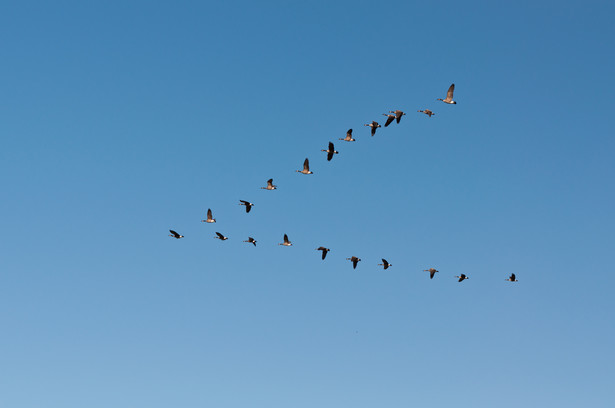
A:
395	115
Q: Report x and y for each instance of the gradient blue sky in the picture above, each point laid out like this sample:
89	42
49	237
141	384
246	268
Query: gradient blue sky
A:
120	120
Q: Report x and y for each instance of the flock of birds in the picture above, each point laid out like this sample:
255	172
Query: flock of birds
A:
391	116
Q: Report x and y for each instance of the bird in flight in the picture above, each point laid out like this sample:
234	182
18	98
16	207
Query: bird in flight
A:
175	234
390	118
324	251
348	137
432	272
220	237
449	96
286	241
251	241
270	185
385	264
330	151
210	218
306	168
248	205
462	277
398	114
512	278
354	261
374	125
427	112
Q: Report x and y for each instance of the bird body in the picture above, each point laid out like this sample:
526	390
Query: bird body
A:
330	151
248	205
286	241
324	251
427	112
374	125
348	137
220	237
512	278
270	185
354	261
306	168
251	241
462	277
175	234
210	218
385	264
432	272
398	114
449	96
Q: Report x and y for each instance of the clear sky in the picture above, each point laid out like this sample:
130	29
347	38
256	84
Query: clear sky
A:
122	119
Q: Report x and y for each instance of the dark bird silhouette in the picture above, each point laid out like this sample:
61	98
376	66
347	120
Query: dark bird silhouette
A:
251	241
286	241
385	264
398	114
270	185
306	168
175	234
461	277
427	112
220	237
449	96
512	278
348	137
210	218
248	205
354	261
330	151
432	272
374	125
324	251
390	118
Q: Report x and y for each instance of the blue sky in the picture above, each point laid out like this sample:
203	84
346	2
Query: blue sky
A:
121	120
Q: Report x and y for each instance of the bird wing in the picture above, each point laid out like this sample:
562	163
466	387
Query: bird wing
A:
461	277
329	154
373	130
270	182
449	93
173	232
355	261
286	238
209	215
248	208
219	235
389	120
324	254
306	165
432	274
349	133
513	277
398	115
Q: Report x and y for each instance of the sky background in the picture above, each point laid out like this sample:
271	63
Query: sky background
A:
122	120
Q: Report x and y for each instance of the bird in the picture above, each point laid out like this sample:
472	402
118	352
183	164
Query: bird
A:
220	237
330	151
270	185
324	251
306	168
385	264
248	205
427	112
286	241
354	261
398	114
210	218
512	278
390	118
348	137
251	240
374	125
432	272
449	96
461	277
175	234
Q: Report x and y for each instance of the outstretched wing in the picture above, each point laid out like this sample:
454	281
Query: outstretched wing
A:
306	165
389	120
349	133
270	182
449	93
219	235
174	233
209	215
286	239
513	277
432	274
248	208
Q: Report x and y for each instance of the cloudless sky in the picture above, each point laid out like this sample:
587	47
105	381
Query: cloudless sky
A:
122	120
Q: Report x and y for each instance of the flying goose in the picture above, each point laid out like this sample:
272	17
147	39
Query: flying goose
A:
432	272
385	264
306	168
374	125
330	151
427	112
512	278
348	137
354	261
390	118
220	237
324	251
286	241
210	218
462	277
175	234
398	114
270	185
248	205
251	240
449	96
